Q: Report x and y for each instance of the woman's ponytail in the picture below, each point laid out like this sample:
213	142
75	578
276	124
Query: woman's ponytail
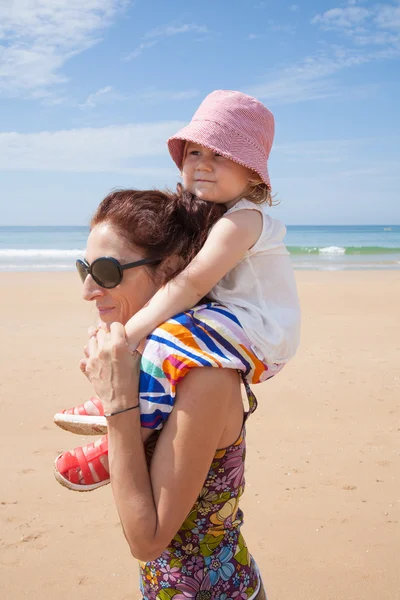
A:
161	224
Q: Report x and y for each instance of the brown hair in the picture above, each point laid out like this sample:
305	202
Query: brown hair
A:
162	224
259	193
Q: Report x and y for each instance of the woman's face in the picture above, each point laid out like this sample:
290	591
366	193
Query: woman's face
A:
137	286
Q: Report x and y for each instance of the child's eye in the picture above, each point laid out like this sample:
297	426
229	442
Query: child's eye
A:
194	152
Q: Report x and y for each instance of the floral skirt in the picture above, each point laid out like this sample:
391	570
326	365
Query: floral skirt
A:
260	596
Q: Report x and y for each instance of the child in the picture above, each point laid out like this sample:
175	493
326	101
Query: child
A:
222	155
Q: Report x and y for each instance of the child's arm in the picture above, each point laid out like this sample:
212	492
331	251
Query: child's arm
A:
227	243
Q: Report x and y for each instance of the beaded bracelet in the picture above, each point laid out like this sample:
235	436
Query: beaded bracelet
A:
118	412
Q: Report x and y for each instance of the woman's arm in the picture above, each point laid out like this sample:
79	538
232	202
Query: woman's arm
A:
152	506
227	243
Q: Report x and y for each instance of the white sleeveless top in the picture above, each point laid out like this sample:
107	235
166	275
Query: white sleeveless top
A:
261	292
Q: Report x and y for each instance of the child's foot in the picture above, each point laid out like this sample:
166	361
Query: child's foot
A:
86	419
84	468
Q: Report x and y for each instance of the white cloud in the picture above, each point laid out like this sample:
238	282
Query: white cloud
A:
307	80
280	27
377	25
107	149
337	18
322	151
388	16
139	50
141	149
156	96
168	30
373	33
155	35
37	37
152	95
93	99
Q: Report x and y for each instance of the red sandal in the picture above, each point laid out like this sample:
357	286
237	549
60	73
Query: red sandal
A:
83	471
85	419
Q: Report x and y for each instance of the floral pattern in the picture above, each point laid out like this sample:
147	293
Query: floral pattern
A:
208	557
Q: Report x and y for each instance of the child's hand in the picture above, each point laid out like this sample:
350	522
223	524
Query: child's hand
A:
113	369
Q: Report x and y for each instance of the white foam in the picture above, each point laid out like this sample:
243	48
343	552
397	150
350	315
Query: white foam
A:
40	252
332	250
34	267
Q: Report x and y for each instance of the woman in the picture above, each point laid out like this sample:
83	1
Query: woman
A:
178	505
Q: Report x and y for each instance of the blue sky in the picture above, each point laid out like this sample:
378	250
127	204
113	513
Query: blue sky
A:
90	91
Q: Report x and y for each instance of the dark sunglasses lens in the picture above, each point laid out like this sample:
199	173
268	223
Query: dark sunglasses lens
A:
106	273
82	270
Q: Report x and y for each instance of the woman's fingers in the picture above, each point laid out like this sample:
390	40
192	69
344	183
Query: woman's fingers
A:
102	338
92	331
92	346
83	365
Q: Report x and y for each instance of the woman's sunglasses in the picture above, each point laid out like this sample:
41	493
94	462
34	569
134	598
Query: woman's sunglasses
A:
107	271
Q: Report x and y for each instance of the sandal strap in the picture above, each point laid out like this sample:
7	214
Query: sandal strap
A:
69	465
84	466
81	410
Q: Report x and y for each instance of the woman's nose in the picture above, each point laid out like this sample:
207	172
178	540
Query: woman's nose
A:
91	290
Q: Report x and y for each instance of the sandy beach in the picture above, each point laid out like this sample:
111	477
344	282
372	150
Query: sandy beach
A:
322	504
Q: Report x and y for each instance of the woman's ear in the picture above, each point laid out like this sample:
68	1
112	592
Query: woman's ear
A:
171	267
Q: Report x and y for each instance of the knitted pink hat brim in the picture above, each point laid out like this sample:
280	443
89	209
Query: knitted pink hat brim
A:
230	144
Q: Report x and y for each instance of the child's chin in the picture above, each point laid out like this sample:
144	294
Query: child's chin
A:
204	195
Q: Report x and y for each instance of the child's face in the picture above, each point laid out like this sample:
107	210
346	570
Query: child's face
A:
213	177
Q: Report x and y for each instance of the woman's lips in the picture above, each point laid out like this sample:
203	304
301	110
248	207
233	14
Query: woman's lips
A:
105	309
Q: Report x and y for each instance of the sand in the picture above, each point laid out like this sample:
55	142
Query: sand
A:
322	505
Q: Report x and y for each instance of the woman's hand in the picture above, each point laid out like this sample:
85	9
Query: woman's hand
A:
112	369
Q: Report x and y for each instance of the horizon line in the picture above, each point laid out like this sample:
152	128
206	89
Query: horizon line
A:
287	224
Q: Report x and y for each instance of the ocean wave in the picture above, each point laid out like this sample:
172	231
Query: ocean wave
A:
37	267
340	250
39	252
332	250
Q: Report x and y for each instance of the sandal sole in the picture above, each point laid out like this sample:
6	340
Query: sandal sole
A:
81	425
76	487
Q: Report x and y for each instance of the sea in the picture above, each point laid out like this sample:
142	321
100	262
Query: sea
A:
316	247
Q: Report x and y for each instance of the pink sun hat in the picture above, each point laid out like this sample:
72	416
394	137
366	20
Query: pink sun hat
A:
233	124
